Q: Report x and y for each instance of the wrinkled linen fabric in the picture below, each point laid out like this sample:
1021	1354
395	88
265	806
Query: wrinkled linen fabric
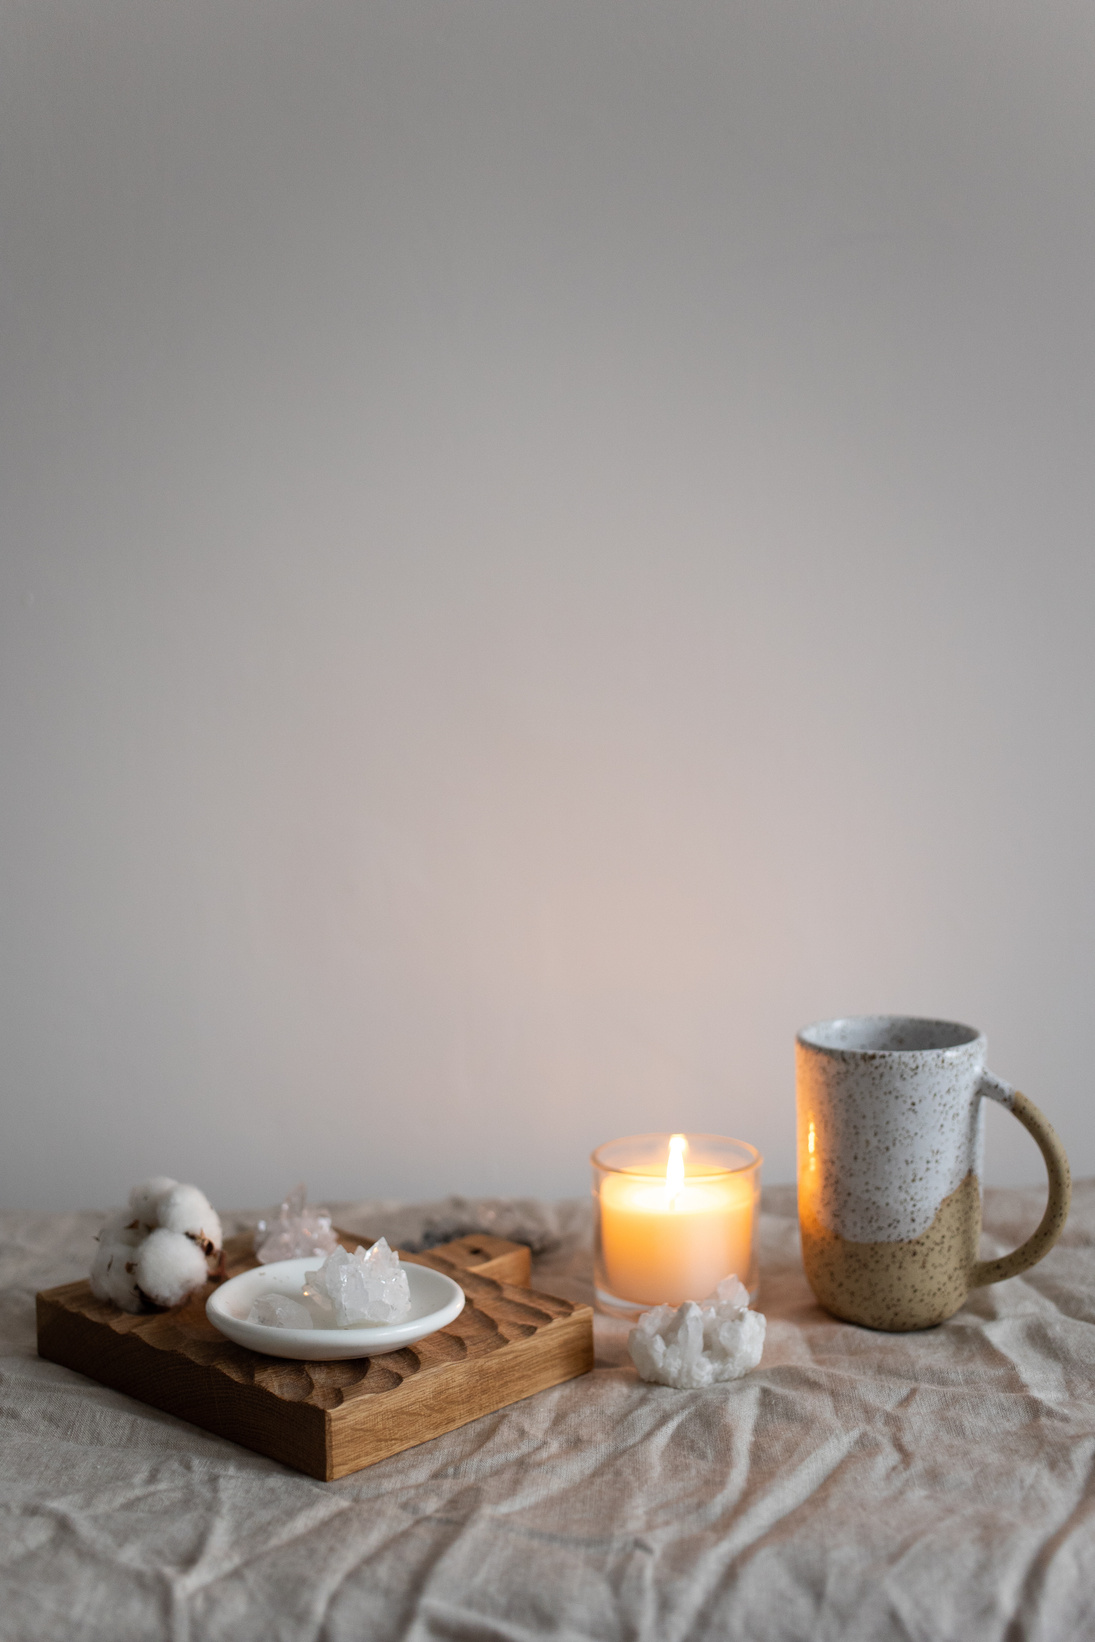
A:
855	1486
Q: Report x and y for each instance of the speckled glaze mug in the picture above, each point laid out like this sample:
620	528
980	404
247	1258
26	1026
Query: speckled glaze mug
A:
890	1138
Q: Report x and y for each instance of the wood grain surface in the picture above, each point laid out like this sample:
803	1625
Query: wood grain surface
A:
329	1419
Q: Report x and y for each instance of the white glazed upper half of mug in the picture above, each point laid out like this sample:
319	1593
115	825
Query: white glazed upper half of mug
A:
890	1120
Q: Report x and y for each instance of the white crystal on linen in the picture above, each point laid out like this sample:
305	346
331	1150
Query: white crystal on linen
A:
294	1232
280	1311
691	1346
368	1286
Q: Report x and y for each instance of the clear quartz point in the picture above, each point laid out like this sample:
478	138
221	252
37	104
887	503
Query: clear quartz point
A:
294	1232
368	1286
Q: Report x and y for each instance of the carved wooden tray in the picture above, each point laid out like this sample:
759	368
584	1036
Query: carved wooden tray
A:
329	1419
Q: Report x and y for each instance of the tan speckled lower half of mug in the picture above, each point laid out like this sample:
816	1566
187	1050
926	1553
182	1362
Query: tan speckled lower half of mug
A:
904	1285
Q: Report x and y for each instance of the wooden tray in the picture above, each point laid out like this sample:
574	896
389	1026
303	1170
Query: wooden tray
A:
329	1419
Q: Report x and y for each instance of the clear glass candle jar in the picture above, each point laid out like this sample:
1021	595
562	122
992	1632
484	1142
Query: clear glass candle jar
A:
673	1215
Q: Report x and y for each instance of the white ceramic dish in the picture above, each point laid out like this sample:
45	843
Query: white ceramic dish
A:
435	1301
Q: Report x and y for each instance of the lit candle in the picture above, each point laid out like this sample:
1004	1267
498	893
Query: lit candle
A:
675	1215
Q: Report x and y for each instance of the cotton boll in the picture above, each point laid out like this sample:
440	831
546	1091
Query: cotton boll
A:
123	1226
169	1267
112	1276
187	1210
144	1198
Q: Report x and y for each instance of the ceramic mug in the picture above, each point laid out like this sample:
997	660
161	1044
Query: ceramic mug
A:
890	1137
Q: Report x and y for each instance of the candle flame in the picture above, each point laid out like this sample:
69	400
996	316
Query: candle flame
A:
674	1169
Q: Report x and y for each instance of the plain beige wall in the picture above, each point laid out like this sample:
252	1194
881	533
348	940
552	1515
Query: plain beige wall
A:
545	544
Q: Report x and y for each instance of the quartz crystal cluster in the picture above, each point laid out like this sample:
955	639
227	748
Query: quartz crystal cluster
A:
157	1249
294	1231
368	1286
347	1291
694	1345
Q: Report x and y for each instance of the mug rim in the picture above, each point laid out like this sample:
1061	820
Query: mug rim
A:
952	1037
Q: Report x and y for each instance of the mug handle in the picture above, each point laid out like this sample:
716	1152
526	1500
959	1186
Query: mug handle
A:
1052	1224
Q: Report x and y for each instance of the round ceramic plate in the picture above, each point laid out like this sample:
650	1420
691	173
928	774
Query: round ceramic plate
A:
435	1301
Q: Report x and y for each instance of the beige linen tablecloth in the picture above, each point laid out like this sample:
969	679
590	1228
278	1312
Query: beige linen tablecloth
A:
857	1485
